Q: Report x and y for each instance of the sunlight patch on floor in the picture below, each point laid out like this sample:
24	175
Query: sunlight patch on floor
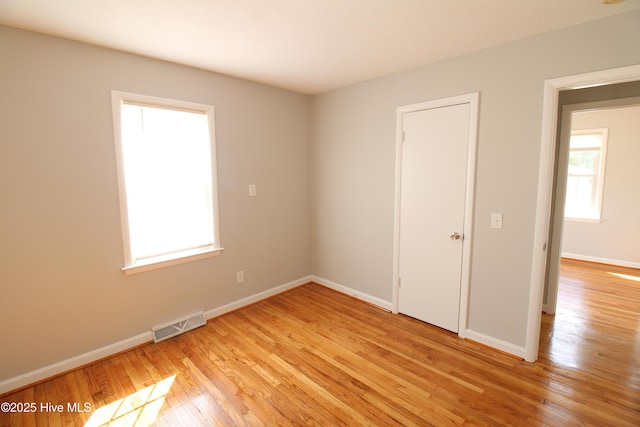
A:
626	276
135	410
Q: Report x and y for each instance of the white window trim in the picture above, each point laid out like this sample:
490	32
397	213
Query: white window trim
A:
138	266
169	260
578	219
601	171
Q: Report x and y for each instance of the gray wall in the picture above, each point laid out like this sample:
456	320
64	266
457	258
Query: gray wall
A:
324	169
353	161
616	237
63	293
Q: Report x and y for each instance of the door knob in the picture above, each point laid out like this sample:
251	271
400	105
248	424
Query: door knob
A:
454	236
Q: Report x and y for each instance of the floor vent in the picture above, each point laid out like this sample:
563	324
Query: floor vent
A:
179	326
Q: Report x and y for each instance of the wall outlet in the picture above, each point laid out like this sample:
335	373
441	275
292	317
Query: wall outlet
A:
240	277
252	190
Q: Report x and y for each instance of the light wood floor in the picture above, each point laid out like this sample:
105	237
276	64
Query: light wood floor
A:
312	356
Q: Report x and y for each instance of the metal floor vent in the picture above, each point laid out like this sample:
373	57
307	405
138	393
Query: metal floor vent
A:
179	326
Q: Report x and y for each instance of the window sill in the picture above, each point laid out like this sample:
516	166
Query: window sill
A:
591	220
169	260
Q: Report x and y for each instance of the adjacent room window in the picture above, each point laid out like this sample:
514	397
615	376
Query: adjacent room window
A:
585	178
167	177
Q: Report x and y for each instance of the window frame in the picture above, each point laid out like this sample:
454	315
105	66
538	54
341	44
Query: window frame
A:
131	265
598	183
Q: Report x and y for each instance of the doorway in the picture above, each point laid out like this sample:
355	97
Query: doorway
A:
435	173
609	235
543	242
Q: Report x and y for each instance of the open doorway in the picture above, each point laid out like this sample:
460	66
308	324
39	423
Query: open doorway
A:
596	218
607	84
595	295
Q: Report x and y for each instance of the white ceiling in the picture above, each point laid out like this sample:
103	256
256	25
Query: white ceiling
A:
309	46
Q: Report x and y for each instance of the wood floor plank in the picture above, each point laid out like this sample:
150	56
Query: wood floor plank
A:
312	356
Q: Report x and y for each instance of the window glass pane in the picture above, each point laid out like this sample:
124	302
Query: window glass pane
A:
587	140
585	174
579	197
167	168
582	162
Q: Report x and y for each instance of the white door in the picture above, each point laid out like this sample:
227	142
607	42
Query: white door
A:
432	213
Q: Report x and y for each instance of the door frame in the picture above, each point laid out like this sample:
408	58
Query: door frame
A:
543	218
473	100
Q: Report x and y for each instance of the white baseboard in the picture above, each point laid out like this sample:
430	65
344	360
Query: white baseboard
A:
74	362
495	343
255	298
126	344
352	292
621	263
467	333
109	350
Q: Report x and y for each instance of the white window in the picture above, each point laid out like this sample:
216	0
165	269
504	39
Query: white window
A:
167	179
585	178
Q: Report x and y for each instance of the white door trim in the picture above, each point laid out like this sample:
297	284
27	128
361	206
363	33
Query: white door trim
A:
552	88
473	100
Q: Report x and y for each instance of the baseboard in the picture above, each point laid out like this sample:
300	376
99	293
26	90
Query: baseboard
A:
352	292
600	260
129	343
227	308
495	343
74	362
469	334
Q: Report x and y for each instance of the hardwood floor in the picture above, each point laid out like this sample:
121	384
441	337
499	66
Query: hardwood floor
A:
312	356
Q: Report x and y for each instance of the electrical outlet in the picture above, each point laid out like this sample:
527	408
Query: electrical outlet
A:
252	190
240	277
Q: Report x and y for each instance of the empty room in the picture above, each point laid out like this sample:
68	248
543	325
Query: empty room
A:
293	212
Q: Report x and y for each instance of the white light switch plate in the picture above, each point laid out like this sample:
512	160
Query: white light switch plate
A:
496	220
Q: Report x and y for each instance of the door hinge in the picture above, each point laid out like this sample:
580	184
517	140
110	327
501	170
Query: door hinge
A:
399	282
402	136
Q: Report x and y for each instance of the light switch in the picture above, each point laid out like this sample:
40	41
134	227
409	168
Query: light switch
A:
496	220
252	190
